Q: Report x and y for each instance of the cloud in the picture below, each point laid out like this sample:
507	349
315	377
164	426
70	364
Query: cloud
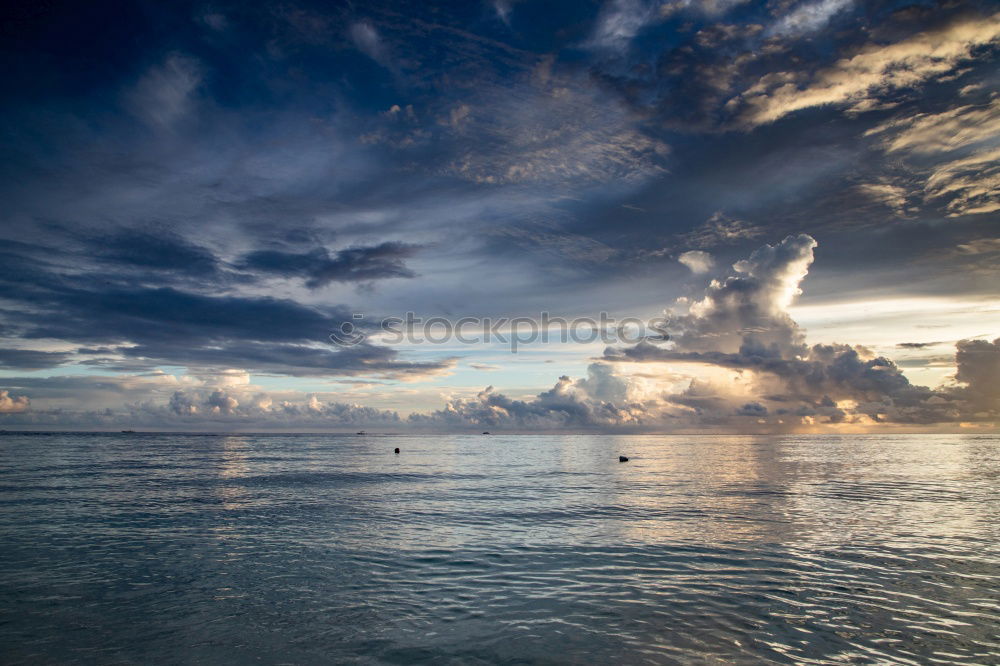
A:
221	402
720	229
169	325
366	38
742	324
620	21
697	260
978	363
707	7
858	82
158	251
214	20
556	243
157	402
971	184
181	404
752	303
503	8
893	196
30	359
319	268
809	17
553	130
10	405
980	246
195	246
956	152
163	95
752	409
600	400
960	127
297	360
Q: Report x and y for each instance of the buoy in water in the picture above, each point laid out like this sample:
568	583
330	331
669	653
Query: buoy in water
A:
622	459
396	451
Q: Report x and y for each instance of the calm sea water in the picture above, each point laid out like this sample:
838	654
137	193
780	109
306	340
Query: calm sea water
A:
309	549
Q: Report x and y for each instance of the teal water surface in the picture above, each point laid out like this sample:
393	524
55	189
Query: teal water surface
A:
308	549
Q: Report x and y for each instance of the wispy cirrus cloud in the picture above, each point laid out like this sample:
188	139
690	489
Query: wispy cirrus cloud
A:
319	267
549	130
367	39
956	151
858	82
620	21
164	94
720	229
809	17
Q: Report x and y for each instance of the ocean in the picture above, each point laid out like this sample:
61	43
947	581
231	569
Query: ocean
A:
500	549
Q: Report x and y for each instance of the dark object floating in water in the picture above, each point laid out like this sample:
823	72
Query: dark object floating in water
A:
622	459
128	431
486	432
396	451
361	432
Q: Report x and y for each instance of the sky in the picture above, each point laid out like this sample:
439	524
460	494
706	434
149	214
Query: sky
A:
210	210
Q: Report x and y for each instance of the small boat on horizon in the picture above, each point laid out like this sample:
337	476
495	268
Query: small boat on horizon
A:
128	432
361	432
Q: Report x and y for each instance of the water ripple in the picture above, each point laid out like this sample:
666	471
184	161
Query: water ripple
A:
332	549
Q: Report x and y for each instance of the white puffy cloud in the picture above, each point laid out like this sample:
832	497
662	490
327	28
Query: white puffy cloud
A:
752	303
207	401
598	401
742	325
697	260
10	404
181	404
221	402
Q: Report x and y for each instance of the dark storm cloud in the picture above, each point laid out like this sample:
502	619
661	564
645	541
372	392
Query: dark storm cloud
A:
169	325
478	104
978	364
165	251
752	409
167	314
301	360
27	359
319	268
